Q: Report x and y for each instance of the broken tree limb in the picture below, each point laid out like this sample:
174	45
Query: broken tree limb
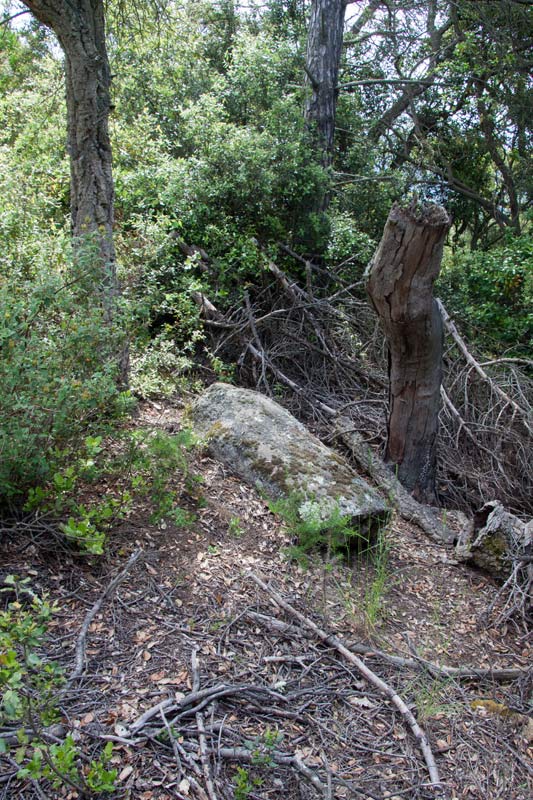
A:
408	508
524	414
367	673
93	611
498	675
462	425
400	285
297	295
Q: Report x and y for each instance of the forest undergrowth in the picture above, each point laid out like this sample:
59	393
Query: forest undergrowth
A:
163	633
183	679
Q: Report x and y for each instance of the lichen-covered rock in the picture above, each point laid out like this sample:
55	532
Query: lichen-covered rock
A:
266	446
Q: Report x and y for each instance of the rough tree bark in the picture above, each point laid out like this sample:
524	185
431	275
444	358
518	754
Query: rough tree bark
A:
80	28
324	48
400	285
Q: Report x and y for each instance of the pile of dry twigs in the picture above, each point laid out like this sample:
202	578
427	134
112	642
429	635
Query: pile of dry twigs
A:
314	343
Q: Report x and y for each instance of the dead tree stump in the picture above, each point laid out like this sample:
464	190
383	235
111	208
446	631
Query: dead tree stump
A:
400	284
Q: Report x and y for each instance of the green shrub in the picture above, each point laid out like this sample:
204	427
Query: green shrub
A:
134	465
58	373
313	529
491	293
349	246
29	684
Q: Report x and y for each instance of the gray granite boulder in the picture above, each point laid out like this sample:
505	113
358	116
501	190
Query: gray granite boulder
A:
267	447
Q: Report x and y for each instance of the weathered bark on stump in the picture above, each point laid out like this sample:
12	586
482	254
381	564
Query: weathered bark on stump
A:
400	285
80	29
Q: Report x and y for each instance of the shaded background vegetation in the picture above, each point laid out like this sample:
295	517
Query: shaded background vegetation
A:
212	156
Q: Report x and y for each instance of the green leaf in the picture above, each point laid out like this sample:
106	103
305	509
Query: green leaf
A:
12	704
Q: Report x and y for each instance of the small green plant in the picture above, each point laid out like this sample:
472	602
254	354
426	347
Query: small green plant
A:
316	526
29	685
430	697
224	372
181	517
23	673
156	458
373	600
262	747
245	784
99	778
234	527
58	764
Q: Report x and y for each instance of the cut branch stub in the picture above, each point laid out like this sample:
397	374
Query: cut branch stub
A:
400	285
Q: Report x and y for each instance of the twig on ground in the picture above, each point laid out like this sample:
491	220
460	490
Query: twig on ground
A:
93	611
370	676
499	675
204	757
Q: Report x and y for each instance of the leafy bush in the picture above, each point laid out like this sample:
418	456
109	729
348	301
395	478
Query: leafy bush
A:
133	464
29	684
58	372
492	293
241	183
349	246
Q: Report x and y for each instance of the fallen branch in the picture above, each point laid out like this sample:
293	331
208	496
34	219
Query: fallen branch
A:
408	508
498	675
81	642
523	413
197	700
248	756
367	673
179	753
195	667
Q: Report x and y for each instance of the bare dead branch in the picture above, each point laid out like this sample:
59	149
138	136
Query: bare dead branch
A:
525	414
367	673
93	611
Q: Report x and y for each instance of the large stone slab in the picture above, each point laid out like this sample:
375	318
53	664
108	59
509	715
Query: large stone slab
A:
267	447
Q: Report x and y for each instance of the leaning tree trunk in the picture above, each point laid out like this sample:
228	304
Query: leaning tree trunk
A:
80	29
324	48
400	285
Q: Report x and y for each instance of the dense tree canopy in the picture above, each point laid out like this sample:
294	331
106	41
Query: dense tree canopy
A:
209	118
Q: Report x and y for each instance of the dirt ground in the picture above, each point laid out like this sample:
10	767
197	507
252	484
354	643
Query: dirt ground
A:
240	700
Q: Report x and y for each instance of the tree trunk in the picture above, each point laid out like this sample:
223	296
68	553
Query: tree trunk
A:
400	285
80	29
324	48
